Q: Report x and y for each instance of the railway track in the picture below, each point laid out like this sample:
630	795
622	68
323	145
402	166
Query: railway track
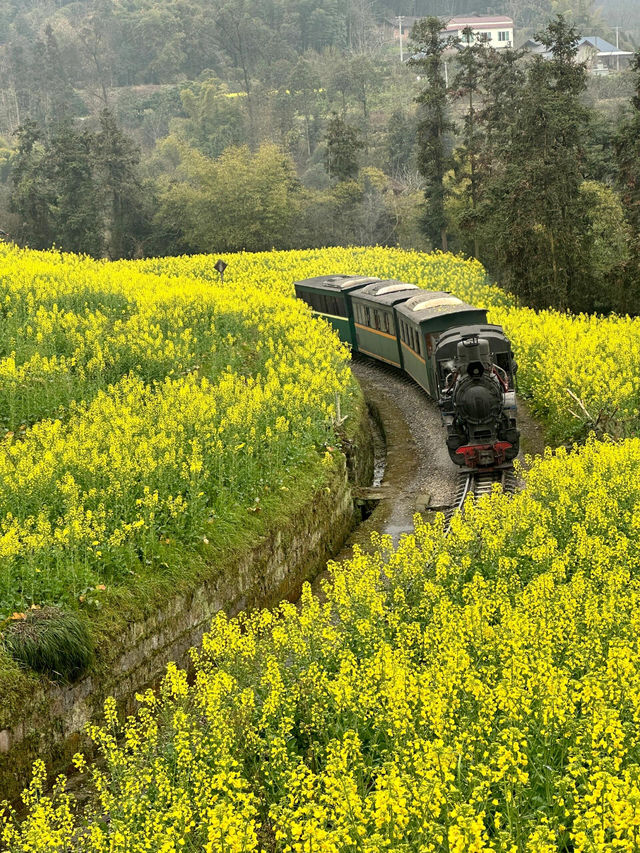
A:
478	484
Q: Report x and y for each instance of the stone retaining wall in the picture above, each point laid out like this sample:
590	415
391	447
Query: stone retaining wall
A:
52	725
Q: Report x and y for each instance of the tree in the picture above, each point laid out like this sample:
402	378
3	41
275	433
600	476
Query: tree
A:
304	89
78	189
238	201
467	86
434	160
401	142
32	194
54	191
214	121
343	143
606	248
533	216
627	150
77	208
116	164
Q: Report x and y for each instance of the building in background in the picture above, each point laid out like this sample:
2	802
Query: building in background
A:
494	30
600	56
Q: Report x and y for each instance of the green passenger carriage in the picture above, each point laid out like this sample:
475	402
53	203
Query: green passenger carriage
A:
421	321
374	320
328	296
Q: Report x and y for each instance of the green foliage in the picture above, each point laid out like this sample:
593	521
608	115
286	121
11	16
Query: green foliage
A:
78	189
115	164
532	213
214	120
75	204
402	133
608	231
50	641
239	201
343	144
434	160
627	148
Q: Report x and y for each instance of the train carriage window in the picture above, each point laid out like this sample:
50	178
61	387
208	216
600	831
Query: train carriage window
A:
367	314
385	322
337	305
376	318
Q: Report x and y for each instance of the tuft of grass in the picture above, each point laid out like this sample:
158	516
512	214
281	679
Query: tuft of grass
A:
50	641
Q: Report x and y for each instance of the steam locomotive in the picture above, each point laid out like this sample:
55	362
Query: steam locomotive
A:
444	344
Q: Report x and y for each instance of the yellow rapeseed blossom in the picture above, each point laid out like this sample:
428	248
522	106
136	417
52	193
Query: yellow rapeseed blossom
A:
476	692
472	692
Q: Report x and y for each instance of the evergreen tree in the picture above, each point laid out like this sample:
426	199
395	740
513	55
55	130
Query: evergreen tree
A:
77	209
32	195
467	88
627	150
116	164
534	218
343	143
434	159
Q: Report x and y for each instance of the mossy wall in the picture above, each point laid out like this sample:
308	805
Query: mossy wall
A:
50	722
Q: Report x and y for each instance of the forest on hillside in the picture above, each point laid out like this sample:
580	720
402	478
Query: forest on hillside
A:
131	128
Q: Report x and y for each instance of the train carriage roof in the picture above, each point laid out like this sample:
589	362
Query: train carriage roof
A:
388	292
494	334
336	282
431	305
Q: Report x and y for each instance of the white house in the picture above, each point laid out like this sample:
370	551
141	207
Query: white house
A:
495	30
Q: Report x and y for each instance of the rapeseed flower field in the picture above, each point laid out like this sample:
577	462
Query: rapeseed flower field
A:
478	691
139	410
